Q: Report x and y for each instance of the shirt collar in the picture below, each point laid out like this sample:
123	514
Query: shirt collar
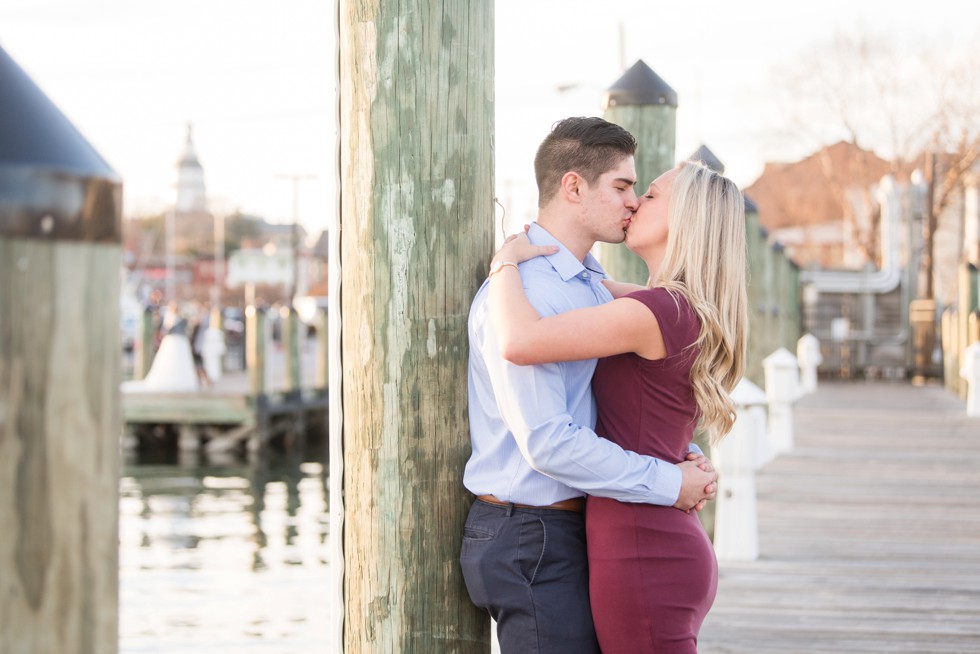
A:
564	262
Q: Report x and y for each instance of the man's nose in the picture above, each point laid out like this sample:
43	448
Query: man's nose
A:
632	201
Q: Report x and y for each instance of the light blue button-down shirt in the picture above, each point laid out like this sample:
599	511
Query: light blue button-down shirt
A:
531	427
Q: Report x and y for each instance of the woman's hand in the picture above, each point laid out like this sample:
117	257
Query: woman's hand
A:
518	248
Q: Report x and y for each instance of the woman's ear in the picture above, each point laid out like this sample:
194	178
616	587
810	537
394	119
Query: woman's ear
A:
572	186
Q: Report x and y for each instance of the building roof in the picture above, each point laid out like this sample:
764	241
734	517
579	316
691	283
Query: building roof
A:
809	191
188	159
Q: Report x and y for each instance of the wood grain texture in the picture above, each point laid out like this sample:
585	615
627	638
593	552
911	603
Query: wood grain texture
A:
59	443
869	531
416	219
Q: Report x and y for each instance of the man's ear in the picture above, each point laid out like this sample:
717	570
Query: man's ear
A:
572	185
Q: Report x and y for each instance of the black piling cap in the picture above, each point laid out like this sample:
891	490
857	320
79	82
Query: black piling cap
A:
639	86
33	130
53	183
708	158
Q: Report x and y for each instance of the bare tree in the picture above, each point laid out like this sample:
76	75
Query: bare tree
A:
899	101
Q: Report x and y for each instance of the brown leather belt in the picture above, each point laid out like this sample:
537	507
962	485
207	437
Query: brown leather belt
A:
576	504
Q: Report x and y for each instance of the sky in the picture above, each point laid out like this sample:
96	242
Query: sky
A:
257	80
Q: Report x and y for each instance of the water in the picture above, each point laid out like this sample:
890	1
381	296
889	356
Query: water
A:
225	557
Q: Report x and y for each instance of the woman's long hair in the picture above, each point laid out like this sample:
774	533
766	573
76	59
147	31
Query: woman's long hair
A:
705	262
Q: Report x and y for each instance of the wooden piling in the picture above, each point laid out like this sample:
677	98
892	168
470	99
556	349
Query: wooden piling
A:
60	256
643	103
290	330
143	347
756	247
255	342
416	88
322	347
290	348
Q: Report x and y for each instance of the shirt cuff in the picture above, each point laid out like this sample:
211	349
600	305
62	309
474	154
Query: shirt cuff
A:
667	485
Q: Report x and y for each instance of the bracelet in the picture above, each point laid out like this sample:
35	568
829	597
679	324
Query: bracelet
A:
500	265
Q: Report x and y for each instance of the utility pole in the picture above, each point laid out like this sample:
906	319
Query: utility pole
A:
294	234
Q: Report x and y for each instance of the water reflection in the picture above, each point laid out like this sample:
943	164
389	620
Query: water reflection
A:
227	557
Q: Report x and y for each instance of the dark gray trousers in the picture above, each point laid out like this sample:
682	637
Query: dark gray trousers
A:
529	569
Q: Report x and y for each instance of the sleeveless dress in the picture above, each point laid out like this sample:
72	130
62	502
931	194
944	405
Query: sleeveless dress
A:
652	570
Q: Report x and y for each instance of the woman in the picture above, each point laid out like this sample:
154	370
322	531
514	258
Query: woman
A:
671	354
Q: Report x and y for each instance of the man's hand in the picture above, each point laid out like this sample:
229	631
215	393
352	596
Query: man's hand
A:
699	483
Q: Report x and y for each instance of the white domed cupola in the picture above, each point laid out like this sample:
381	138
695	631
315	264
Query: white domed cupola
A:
191	197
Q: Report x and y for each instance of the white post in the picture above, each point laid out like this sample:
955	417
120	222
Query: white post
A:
808	353
971	373
782	389
736	458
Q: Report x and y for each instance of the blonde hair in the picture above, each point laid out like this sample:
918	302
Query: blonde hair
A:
705	262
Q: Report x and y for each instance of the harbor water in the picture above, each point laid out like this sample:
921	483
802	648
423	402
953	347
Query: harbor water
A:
223	556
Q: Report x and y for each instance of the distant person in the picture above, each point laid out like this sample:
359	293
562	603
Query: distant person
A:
197	339
669	356
534	452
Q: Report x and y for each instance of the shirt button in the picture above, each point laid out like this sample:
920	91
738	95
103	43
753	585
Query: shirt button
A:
585	275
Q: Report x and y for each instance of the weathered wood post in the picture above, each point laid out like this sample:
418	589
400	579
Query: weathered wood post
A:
949	325
289	320
322	370
60	423
643	103
416	142
143	347
322	347
255	345
756	245
786	301
255	350
293	383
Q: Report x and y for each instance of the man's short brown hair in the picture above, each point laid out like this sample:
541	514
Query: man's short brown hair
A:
588	146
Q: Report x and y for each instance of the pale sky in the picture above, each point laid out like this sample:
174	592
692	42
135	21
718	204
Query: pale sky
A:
256	79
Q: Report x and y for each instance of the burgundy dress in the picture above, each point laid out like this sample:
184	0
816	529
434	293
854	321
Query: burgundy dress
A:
652	569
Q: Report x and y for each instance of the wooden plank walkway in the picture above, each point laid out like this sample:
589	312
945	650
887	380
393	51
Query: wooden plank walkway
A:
869	531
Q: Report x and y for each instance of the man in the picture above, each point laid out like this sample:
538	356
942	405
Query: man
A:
534	451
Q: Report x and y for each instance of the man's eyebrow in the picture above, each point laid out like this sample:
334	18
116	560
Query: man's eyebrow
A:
626	180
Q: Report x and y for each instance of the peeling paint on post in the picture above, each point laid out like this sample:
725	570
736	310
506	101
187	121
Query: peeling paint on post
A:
416	87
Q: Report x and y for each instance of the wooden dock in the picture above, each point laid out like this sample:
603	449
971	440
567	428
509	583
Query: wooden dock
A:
229	412
869	531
